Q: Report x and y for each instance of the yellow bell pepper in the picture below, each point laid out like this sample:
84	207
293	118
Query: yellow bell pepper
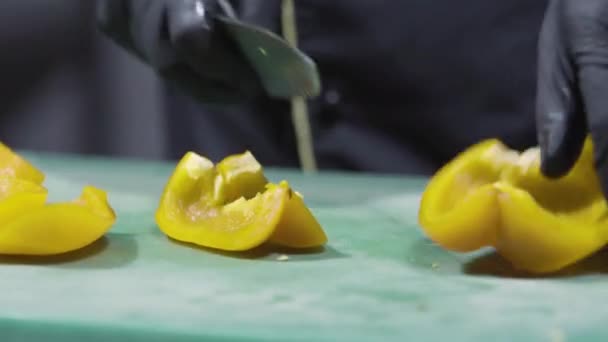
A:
12	164
240	176
30	226
492	196
231	206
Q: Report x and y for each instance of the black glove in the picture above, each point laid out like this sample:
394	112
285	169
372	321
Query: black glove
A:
573	85
180	40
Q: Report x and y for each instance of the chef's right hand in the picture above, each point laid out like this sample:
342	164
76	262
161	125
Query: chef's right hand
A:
180	40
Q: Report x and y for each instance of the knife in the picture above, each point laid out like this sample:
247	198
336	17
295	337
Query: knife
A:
285	71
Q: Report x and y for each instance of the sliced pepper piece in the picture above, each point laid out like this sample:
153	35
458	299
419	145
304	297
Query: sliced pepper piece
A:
58	227
29	226
458	209
12	164
549	224
243	176
18	197
538	224
230	206
298	227
188	211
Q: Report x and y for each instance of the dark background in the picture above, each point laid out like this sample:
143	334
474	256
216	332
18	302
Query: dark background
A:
466	73
63	87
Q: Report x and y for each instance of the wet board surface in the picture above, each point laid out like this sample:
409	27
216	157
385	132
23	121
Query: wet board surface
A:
378	278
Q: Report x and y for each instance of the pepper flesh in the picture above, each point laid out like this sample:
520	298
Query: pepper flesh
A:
30	226
298	228
458	207
12	164
240	175
232	207
492	196
243	176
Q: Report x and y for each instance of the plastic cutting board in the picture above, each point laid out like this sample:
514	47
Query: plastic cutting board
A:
379	279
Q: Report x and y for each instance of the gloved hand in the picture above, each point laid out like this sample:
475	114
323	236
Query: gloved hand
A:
178	39
572	98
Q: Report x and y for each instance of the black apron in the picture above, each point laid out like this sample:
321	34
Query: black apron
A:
406	85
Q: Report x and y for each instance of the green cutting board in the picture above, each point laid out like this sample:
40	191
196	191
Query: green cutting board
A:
378	279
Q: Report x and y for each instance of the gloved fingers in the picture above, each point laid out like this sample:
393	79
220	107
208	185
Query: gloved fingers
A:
190	22
207	49
560	120
149	36
178	39
586	29
594	87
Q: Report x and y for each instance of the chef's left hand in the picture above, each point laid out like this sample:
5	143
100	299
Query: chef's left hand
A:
572	98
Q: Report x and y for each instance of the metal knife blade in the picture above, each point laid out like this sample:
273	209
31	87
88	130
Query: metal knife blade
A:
285	71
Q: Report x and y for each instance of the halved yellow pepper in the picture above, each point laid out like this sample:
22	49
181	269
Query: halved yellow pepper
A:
232	206
458	209
492	196
18	197
29	226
